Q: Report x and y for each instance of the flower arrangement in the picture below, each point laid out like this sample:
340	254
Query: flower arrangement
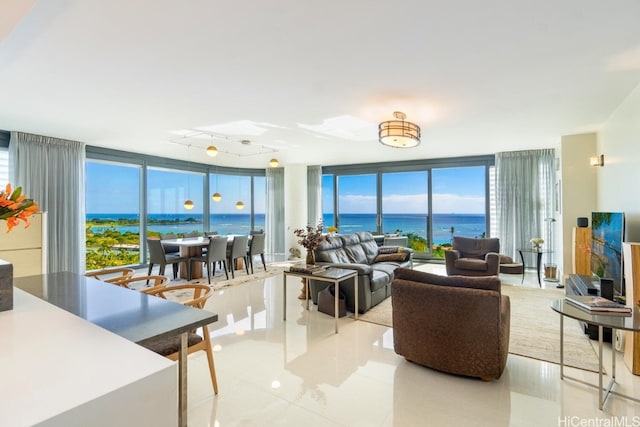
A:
536	242
310	237
14	206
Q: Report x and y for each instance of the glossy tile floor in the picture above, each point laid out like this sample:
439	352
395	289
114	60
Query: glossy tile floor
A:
298	372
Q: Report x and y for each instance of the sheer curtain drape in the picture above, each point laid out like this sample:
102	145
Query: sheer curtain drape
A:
314	195
52	172
274	221
525	185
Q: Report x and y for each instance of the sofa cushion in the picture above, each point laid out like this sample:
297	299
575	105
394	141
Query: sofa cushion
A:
471	264
379	279
491	283
369	246
475	248
353	248
331	251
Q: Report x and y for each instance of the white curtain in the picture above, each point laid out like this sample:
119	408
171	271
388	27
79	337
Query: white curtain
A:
314	195
525	185
274	220
51	171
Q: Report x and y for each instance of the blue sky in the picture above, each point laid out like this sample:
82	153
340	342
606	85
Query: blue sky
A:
114	188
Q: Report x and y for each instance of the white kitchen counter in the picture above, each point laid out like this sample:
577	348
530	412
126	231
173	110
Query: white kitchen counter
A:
60	370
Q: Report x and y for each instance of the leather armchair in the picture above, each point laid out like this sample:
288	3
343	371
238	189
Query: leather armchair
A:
454	324
473	257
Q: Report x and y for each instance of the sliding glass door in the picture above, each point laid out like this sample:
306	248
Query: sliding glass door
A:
405	207
357	203
459	205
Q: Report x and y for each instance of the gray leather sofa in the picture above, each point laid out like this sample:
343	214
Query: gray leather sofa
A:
375	265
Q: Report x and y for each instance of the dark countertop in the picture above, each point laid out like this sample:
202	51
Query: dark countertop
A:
132	315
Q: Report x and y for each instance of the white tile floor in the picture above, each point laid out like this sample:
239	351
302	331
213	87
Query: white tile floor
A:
298	372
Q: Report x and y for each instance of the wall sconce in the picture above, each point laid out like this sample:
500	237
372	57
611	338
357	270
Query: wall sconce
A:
597	160
273	163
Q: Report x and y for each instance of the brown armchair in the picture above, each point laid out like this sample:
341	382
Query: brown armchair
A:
473	257
454	324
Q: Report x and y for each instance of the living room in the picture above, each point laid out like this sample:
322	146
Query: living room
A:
600	118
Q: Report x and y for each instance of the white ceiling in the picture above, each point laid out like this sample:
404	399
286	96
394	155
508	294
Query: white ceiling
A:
313	79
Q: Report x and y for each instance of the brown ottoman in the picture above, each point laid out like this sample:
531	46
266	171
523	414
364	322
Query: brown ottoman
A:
507	266
512	268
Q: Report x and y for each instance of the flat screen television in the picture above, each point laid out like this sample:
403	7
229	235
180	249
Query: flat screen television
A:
607	234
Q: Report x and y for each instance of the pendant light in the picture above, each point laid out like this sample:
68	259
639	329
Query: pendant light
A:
212	151
239	204
188	204
216	196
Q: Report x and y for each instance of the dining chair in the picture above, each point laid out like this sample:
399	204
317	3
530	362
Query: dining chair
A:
170	249
151	282
169	346
192	234
237	250
112	275
157	255
256	247
216	252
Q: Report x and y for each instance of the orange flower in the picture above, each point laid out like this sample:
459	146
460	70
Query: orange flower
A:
16	207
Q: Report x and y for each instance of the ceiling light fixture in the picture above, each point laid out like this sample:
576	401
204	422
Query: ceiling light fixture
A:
399	133
273	163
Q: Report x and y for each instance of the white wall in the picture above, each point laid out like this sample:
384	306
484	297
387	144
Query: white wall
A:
619	179
295	204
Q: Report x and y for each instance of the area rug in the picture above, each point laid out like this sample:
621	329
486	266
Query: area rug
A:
535	328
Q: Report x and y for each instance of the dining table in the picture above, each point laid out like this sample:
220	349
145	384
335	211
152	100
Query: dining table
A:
192	247
133	315
189	247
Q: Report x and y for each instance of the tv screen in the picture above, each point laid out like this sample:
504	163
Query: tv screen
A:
607	234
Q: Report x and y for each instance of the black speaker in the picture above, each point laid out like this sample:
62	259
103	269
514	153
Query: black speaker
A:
583	221
606	288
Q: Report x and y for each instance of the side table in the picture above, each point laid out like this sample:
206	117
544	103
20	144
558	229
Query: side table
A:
538	253
331	275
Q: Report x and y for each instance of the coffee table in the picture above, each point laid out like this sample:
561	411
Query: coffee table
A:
606	320
331	275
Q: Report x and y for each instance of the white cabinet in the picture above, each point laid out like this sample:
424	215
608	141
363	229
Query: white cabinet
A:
26	248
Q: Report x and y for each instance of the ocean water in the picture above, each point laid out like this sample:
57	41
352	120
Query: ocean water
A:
466	225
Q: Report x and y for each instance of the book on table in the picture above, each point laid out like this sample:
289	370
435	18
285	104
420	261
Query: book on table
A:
596	304
307	268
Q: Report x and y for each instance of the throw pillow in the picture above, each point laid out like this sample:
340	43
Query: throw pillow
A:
396	256
388	249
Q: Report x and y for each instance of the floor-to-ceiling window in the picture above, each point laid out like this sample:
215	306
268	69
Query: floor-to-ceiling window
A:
167	192
430	201
112	214
328	201
459	205
357	208
133	196
259	202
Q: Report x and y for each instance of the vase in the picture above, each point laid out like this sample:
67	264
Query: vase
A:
311	259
